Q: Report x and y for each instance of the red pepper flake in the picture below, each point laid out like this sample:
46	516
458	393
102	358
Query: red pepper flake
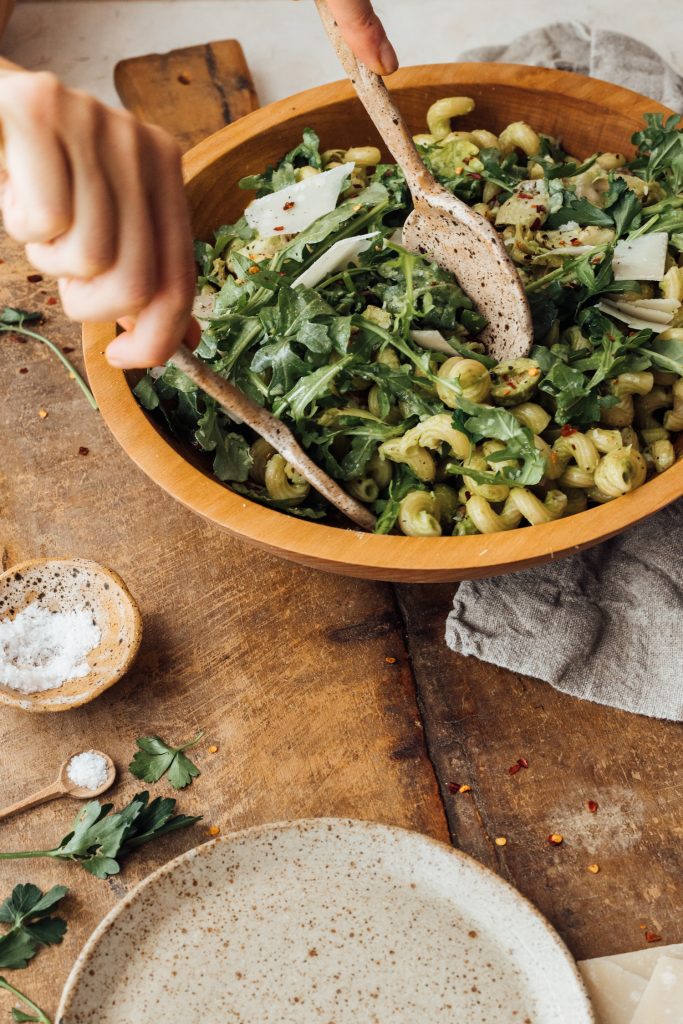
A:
289	206
254	270
513	769
592	806
390	660
555	839
522	762
83	450
66	349
652	937
34	278
453	787
51	301
524	195
576	241
567	430
476	176
465	789
279	228
23	369
536	224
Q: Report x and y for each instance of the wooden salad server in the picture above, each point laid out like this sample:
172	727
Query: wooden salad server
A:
237	404
441	226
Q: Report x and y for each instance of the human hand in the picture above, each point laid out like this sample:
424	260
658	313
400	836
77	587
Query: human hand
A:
365	34
98	200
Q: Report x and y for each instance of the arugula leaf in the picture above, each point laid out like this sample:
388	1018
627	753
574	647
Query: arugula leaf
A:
302	398
660	151
232	460
580	210
667	354
403	482
28	911
488	421
99	837
374	196
283	174
155	757
145	393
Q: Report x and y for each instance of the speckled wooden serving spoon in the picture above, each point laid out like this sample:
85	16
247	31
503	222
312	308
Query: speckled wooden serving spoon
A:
441	226
273	430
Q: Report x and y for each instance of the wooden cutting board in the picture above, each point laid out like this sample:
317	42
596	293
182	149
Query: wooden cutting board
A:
190	92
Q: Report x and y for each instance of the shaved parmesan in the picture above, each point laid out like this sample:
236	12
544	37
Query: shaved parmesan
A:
633	314
337	256
296	207
434	341
202	307
642	259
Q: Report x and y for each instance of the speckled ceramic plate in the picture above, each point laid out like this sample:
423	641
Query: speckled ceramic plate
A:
61	584
324	922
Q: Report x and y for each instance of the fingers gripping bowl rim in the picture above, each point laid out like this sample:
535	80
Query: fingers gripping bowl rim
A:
590	115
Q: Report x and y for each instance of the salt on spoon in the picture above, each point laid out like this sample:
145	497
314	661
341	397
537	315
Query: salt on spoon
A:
84	775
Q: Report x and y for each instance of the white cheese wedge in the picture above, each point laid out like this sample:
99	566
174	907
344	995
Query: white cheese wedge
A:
643	259
202	307
662	1000
614	992
296	207
434	341
641	319
337	256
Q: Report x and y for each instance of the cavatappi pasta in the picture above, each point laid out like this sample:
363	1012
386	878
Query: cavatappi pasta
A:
370	353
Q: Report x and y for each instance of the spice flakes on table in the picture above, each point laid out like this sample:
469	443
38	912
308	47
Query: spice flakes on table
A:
592	806
555	839
593	868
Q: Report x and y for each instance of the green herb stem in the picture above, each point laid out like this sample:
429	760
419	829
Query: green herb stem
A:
23	854
41	1016
18	329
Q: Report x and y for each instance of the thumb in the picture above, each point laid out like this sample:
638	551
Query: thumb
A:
365	34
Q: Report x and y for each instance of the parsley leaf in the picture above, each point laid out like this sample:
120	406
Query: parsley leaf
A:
36	1016
99	837
155	757
28	911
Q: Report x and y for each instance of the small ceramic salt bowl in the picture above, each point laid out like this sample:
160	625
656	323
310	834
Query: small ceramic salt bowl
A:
74	584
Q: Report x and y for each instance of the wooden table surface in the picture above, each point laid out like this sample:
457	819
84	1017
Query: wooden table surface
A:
291	673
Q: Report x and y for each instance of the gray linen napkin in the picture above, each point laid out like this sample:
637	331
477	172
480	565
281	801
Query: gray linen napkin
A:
605	625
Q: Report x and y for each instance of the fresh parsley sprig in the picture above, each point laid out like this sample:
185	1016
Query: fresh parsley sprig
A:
36	1016
12	322
28	911
100	839
155	758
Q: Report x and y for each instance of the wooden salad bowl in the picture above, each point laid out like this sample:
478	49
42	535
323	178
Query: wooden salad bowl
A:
588	115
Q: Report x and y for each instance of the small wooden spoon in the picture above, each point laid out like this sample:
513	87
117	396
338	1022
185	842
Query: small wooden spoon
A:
237	404
441	226
63	786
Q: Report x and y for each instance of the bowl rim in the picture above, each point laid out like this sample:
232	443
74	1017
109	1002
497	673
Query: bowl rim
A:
348	551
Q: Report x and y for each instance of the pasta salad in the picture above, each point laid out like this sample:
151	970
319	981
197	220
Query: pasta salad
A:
370	353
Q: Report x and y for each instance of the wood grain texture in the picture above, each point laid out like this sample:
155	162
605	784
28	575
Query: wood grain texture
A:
190	92
283	668
480	719
588	114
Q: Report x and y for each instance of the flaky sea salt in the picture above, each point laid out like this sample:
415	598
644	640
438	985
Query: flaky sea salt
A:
88	770
40	649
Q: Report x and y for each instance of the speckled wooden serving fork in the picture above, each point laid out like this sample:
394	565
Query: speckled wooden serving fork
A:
441	226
